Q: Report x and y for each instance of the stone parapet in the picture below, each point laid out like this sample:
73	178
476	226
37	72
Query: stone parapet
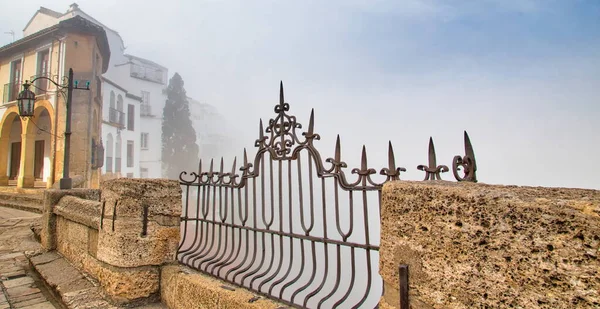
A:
50	200
120	237
474	245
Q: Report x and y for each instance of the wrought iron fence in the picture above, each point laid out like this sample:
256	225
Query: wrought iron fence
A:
291	226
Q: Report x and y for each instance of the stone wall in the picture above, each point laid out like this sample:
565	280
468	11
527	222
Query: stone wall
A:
120	235
481	246
184	288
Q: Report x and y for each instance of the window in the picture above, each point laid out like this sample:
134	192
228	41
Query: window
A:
145	109
41	85
145	97
118	154
144	140
129	175
14	86
143	172
130	116
129	153
112	99
109	153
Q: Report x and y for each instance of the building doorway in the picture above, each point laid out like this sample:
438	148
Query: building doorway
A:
38	163
15	160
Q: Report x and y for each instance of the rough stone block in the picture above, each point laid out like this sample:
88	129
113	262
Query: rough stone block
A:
79	210
124	285
50	200
183	288
162	196
71	239
126	247
474	245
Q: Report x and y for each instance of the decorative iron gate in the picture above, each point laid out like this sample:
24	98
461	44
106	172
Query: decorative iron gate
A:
291	226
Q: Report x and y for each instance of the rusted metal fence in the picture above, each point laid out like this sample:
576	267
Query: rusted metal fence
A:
289	225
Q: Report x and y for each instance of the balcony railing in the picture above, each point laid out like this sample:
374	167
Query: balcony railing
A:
145	110
10	92
116	117
151	74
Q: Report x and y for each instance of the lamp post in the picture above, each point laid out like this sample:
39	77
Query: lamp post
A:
26	104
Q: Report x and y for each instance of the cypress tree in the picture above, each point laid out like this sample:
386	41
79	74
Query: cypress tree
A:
179	148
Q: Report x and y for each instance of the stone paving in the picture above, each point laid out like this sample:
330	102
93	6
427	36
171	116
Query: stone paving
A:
19	286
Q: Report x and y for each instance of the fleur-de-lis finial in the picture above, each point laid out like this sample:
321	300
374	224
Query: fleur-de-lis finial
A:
392	172
432	172
467	163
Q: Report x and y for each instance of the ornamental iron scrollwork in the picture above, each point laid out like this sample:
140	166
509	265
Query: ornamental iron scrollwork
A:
467	163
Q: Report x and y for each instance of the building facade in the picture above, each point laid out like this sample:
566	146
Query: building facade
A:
133	92
32	149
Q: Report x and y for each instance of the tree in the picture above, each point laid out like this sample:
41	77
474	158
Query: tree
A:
179	148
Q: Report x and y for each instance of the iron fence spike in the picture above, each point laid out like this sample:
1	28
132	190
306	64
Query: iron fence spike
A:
391	158
363	160
311	122
281	98
432	158
338	149
469	150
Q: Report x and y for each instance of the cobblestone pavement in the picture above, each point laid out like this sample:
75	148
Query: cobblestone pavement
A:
19	287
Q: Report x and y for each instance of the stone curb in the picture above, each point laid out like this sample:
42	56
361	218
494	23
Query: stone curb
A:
74	288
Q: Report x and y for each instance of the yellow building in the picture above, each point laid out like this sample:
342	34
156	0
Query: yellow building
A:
32	149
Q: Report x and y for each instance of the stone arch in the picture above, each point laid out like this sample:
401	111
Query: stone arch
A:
40	107
9	120
37	162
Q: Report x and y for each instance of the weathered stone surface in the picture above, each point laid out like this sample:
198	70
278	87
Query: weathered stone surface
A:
162	196
126	247
50	200
474	245
124	285
90	298
183	288
79	210
71	239
44	258
59	273
77	181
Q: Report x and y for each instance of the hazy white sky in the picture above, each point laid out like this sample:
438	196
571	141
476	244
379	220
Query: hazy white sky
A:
521	76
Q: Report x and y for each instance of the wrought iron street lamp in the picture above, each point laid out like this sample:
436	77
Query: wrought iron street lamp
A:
26	103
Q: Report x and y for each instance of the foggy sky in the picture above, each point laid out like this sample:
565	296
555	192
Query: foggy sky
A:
521	76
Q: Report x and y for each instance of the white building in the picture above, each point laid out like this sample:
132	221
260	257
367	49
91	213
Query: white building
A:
134	96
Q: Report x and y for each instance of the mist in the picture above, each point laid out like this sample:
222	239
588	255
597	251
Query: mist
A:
520	76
